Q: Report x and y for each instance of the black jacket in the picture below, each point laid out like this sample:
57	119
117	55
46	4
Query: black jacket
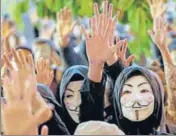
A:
92	96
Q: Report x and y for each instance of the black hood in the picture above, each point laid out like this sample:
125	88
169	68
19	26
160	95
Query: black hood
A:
153	121
67	76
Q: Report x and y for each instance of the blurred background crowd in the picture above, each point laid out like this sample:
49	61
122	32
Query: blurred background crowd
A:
50	31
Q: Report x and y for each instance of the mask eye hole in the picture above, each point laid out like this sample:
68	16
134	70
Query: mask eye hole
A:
144	91
126	92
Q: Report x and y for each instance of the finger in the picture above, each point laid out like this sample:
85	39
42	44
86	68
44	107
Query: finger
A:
16	57
22	58
119	46
151	33
84	32
108	27
124	49
67	13
130	59
110	11
116	16
96	10
44	130
117	39
51	78
8	63
43	64
38	66
114	49
94	26
31	62
105	9
101	25
111	35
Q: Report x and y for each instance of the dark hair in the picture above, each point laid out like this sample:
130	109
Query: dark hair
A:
25	48
77	77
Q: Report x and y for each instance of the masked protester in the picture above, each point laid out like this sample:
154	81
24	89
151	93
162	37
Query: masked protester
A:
139	102
55	124
80	98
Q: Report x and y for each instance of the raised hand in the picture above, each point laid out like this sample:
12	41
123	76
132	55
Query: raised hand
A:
156	7
20	71
159	37
65	26
99	41
107	12
121	53
44	73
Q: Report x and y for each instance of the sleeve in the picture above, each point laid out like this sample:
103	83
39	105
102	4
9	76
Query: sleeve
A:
114	70
92	94
69	56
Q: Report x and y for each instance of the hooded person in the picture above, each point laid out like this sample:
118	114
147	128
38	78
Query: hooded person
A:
80	98
55	125
139	102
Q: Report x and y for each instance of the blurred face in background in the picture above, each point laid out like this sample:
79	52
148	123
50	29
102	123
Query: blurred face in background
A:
42	50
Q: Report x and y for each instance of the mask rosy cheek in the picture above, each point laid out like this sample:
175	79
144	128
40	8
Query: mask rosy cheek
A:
124	100
151	99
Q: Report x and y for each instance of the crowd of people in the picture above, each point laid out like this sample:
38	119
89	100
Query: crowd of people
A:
87	86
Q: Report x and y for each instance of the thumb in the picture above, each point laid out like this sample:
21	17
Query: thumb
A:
130	59
44	131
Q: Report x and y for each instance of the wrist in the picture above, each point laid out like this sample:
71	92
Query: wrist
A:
95	71
64	41
112	60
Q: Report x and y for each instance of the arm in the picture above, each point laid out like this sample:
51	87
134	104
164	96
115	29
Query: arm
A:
65	26
159	38
100	42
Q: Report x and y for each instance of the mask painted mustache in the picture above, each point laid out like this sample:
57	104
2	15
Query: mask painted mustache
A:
137	104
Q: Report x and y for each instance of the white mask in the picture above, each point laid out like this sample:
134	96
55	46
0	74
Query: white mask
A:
72	99
137	99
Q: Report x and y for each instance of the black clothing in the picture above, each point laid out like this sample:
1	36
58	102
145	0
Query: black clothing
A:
92	96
